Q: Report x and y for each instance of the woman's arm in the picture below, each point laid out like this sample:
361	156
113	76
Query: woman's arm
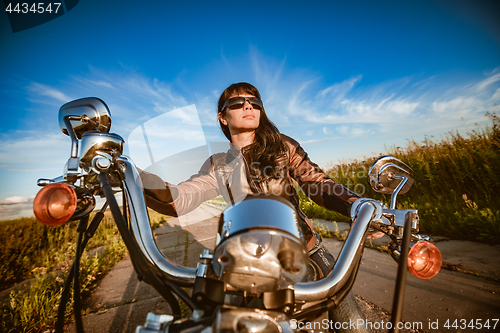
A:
176	200
315	183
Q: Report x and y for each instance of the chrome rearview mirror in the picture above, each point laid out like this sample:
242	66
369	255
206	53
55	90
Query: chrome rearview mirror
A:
390	176
76	118
86	114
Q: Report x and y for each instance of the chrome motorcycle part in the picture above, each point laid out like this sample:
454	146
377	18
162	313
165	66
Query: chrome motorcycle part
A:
347	263
389	175
261	247
419	237
92	113
382	173
45	181
403	181
283	264
97	144
71	168
394	249
208	293
250	320
256	244
205	260
101	163
280	300
155	323
397	216
356	205
258	211
85	203
141	229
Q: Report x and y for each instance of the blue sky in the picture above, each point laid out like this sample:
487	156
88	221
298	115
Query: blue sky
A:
345	78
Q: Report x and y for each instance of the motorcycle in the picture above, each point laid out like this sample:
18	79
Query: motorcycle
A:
253	281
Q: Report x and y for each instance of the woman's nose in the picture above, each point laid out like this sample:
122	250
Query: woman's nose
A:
247	105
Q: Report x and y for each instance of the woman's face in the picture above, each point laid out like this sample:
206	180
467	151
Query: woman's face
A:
244	119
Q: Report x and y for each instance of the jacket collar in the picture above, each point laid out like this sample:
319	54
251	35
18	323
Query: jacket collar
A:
235	150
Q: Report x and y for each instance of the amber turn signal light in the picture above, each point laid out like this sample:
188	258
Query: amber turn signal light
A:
424	260
55	204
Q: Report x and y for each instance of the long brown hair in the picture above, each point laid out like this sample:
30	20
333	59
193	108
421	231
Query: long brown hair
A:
268	142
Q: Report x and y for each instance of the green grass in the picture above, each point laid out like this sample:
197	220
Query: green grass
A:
314	211
324	232
34	308
217	201
457	181
44	254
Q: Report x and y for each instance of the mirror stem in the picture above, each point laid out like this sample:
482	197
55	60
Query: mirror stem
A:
404	179
73	160
72	135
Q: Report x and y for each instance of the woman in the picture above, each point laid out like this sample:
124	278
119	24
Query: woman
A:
261	160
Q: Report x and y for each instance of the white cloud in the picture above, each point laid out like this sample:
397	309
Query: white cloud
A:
166	135
457	105
299	98
16	200
305	142
487	82
134	98
45	90
14	211
101	83
369	111
337	91
496	95
30	150
351	131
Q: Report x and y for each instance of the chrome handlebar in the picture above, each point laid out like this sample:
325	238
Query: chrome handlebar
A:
346	264
141	229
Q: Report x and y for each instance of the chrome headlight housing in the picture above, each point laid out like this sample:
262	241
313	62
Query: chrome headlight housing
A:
260	247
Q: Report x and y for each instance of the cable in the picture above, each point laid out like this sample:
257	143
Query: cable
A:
61	311
82	227
399	293
135	254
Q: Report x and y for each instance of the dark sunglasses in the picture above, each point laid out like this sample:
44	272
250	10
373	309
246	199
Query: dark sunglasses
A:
238	103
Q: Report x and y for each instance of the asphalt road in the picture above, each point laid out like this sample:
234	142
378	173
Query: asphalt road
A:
429	304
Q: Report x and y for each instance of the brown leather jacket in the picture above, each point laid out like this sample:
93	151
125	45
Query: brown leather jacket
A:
235	174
